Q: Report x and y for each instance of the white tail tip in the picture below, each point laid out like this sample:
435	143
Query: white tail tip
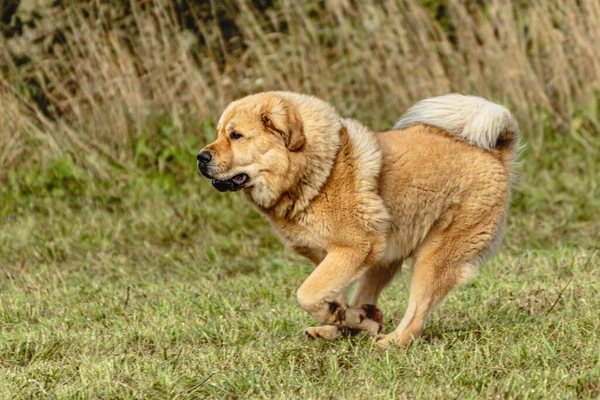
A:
474	119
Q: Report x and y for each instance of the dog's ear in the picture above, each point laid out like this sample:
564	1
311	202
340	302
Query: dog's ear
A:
281	117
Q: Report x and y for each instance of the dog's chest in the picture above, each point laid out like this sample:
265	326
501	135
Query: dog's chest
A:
304	231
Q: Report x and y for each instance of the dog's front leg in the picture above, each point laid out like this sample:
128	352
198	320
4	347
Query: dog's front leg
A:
320	293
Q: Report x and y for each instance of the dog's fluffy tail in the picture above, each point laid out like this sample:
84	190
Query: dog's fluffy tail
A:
476	120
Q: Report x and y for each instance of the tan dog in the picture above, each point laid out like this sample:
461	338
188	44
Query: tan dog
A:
358	203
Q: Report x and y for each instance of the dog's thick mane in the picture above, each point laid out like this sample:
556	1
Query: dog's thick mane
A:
367	158
323	129
314	162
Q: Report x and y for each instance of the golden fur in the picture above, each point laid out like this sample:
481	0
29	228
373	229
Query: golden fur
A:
358	203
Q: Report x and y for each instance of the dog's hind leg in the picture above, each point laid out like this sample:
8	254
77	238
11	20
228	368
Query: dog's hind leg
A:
447	259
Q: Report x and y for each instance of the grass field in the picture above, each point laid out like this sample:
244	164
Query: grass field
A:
153	285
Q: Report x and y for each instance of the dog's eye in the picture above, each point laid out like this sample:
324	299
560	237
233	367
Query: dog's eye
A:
235	135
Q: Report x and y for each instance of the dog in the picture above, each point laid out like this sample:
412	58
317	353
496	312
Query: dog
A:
435	189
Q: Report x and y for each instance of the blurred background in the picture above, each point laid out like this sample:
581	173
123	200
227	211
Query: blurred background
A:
118	263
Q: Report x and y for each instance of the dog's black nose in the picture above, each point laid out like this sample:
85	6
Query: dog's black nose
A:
204	157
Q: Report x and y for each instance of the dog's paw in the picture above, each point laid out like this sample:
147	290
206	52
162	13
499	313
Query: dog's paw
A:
373	312
393	339
367	318
383	342
323	332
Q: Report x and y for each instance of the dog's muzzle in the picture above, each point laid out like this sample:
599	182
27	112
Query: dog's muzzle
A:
233	184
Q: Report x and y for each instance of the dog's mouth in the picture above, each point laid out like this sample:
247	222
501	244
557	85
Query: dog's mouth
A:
233	184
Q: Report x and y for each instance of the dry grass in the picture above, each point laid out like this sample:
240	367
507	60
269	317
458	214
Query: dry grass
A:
370	59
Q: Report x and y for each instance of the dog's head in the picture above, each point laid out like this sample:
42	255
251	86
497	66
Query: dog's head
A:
255	137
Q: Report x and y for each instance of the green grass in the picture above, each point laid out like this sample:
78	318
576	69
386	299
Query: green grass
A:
153	285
